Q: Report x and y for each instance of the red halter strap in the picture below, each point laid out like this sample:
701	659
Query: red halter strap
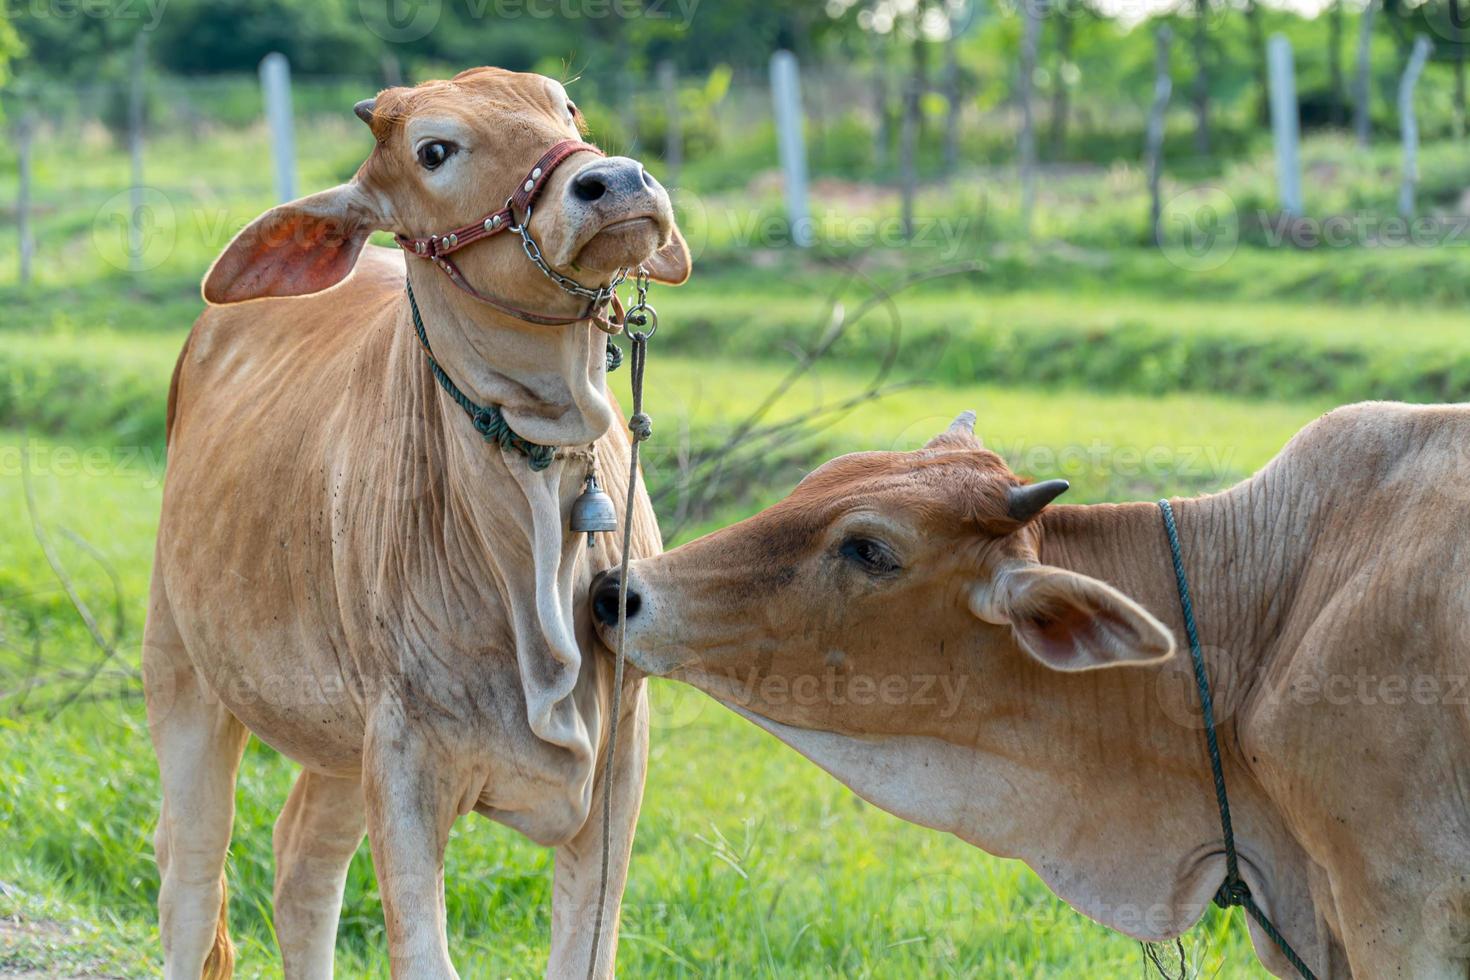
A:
436	248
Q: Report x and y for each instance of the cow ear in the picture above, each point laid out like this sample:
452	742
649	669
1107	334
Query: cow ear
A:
671	264
295	249
1071	622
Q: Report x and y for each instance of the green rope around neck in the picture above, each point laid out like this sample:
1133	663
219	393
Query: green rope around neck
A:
488	420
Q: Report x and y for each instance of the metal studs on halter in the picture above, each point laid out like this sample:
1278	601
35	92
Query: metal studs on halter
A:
593	510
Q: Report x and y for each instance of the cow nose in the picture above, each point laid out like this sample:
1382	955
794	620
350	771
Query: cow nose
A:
605	599
613	178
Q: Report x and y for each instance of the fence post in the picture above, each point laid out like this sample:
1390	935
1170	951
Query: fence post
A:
668	81
786	95
908	138
1154	147
24	128
1409	124
1031	9
137	93
1362	79
275	86
1285	124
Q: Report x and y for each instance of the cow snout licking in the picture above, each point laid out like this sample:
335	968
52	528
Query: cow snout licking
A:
604	593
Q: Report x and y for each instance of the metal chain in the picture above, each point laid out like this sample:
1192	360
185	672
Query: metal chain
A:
1233	890
598	297
640	427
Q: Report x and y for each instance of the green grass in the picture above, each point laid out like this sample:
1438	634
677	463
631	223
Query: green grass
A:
771	869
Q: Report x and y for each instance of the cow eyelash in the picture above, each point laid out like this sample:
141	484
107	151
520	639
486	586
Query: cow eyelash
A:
874	557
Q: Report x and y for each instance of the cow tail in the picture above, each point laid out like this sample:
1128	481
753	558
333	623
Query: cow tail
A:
220	963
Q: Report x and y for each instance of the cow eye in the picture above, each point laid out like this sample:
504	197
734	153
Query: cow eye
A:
874	557
432	154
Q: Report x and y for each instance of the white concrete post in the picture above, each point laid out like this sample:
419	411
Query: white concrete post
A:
1409	123
1154	137
1285	124
25	126
786	95
275	86
668	82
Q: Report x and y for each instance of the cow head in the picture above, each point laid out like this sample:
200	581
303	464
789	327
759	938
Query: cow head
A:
449	153
878	563
892	621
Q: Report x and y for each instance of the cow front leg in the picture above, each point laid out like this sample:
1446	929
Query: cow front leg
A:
412	800
579	862
316	835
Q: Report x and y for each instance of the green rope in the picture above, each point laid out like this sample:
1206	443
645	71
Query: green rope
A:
488	420
1233	890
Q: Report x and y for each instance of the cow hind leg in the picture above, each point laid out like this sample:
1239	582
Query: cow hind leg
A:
199	745
316	836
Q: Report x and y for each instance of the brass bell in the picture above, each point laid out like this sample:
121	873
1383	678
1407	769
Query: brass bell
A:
593	511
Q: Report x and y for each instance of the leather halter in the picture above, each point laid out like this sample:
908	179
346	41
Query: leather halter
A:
437	248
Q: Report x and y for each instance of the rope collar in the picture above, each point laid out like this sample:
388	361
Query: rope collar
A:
438	248
488	420
1233	890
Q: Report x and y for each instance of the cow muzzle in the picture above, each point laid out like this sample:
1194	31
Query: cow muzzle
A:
615	215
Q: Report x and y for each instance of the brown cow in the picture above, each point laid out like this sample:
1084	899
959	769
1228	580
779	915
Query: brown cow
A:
348	569
1332	591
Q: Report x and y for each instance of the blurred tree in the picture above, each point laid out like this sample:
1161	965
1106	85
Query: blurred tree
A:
324	37
1201	92
10	45
1335	88
1444	23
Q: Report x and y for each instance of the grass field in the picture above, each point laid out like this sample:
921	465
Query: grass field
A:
1100	361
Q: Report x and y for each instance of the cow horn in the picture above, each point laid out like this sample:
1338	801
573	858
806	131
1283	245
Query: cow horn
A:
364	110
1025	502
963	422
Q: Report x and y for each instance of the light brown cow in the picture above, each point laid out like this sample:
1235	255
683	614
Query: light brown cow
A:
1332	591
347	569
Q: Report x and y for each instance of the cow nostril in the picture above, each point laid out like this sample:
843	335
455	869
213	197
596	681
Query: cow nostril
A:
605	601
648	180
588	187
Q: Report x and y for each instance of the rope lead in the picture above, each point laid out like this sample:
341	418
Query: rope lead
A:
1233	890
640	426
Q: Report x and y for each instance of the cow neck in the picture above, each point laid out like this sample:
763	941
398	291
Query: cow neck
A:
1245	556
548	382
506	517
